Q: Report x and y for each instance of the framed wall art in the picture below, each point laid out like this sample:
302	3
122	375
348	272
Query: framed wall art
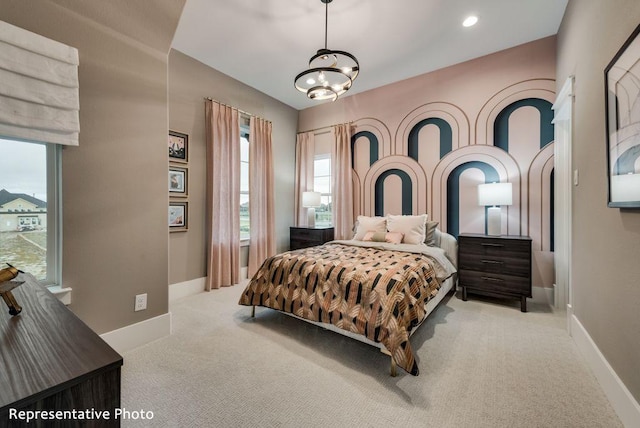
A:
178	147
178	216
622	100
178	181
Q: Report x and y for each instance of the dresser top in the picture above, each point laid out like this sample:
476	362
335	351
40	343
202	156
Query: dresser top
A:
46	348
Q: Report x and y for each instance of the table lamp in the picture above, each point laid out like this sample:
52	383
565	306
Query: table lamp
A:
494	195
311	200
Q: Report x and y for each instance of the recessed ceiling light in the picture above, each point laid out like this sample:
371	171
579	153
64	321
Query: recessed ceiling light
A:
471	20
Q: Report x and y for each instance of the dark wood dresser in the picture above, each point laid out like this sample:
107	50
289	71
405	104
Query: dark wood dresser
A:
498	266
303	237
52	361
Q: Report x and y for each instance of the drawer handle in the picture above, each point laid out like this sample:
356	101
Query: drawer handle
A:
492	262
486	244
488	278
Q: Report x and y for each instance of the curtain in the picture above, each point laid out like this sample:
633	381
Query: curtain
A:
341	183
261	195
305	152
39	99
222	195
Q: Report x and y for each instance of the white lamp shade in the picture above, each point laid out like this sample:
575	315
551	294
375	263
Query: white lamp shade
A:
495	194
625	188
311	199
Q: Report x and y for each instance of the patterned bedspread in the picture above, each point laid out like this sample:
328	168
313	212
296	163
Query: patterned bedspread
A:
375	292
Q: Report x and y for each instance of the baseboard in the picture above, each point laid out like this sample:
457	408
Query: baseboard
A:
542	295
623	402
132	336
194	286
186	288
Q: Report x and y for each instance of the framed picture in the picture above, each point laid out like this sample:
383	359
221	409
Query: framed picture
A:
178	216
178	181
622	98
178	147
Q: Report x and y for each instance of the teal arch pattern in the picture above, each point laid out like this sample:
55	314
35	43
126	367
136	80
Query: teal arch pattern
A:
625	164
373	146
453	192
446	136
501	124
407	192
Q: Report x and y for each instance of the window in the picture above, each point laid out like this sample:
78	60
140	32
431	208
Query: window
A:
244	183
29	208
322	184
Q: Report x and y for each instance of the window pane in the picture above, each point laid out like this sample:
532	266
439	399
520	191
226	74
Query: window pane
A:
322	184
244	176
244	184
322	166
244	149
23	206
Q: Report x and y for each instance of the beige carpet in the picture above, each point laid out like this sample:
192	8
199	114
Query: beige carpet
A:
483	363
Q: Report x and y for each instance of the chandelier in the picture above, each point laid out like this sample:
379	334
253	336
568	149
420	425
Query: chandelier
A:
331	73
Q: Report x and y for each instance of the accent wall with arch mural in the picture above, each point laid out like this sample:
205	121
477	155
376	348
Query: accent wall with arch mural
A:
486	120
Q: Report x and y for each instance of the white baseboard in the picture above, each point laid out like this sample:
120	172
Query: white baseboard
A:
542	295
194	286
132	336
623	403
186	288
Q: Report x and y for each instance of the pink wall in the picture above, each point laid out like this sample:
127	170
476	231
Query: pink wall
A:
468	98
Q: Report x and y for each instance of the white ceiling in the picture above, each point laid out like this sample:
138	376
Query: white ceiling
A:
266	43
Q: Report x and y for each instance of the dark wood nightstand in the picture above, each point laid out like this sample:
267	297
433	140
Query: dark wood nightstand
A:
303	237
498	266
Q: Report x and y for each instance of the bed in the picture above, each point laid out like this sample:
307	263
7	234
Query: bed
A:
376	292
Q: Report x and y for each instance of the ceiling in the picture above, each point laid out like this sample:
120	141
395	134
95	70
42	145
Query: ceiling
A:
266	43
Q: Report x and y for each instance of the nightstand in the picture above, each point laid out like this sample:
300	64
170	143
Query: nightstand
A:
498	266
303	237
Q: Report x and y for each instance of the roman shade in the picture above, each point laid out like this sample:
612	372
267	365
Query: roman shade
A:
39	98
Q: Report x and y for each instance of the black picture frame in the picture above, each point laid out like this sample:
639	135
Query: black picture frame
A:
178	216
178	147
622	104
178	181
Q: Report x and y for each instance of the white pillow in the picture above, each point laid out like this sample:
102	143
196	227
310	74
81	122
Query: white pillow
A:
413	227
366	224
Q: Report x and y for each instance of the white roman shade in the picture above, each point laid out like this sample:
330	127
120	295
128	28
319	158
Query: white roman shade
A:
39	98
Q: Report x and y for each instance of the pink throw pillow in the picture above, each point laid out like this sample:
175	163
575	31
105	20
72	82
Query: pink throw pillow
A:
391	237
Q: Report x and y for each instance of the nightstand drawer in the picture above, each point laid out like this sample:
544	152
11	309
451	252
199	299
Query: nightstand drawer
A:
495	282
305	233
303	237
508	264
495	247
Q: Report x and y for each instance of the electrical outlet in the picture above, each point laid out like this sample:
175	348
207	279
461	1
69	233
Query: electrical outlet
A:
141	302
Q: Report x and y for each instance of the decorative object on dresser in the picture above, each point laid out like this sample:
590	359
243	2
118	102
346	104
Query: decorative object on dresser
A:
53	362
303	237
498	266
494	195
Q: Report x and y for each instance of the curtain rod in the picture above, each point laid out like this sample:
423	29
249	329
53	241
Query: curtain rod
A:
322	128
240	111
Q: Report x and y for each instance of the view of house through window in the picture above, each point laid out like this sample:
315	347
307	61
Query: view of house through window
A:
322	184
244	183
23	206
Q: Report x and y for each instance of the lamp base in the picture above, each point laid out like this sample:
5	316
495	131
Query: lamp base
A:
494	221
311	217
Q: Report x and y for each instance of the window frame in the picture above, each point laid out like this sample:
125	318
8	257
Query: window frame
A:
53	174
